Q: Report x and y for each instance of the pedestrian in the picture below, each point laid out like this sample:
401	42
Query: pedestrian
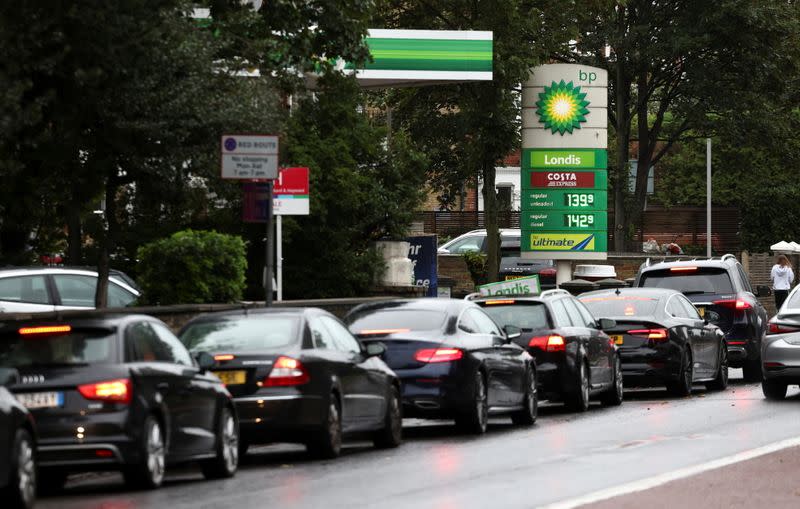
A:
782	277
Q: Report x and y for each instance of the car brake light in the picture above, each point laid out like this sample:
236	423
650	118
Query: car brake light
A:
430	355
683	269
47	329
775	328
224	357
733	304
552	343
285	372
114	391
653	334
547	272
383	331
499	302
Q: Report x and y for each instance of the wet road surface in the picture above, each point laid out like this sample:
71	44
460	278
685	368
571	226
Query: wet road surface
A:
563	456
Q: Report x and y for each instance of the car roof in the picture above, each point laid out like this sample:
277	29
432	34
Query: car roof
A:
450	306
724	262
76	318
659	293
503	231
248	312
118	276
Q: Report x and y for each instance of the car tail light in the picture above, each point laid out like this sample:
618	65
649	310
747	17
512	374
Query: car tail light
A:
652	334
430	355
499	302
104	453
285	372
683	269
224	357
113	391
548	272
733	304
552	343
736	342
383	331
45	330
775	328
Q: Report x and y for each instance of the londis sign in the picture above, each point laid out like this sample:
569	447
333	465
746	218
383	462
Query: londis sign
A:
565	179
588	159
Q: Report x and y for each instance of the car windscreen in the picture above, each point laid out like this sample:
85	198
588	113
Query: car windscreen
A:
40	347
527	316
689	280
396	320
241	334
620	305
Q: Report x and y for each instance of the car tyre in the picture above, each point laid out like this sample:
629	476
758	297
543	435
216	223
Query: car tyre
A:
683	385
613	396
752	370
50	481
773	389
720	382
391	435
527	416
578	398
476	418
327	443
20	492
226	460
149	473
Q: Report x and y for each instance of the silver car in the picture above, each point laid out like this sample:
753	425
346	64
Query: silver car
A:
780	349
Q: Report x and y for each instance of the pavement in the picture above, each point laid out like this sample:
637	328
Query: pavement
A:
565	460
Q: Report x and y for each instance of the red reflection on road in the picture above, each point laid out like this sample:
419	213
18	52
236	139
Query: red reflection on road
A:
447	460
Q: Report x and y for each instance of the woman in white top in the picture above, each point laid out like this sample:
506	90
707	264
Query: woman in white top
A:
782	278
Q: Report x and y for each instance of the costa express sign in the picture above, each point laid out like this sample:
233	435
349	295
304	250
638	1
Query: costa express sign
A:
566	179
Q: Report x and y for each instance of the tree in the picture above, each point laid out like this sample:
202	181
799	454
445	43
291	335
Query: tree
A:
363	189
675	66
468	128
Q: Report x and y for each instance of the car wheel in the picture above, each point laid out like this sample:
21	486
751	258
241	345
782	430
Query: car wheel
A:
20	492
578	400
391	435
328	440
527	416
614	395
720	382
476	418
752	370
226	461
149	474
683	385
50	481
773	389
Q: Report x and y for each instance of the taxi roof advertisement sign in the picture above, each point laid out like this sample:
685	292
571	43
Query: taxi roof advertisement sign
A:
520	286
565	163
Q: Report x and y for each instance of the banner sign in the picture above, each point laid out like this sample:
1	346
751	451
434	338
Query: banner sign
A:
589	159
422	253
584	242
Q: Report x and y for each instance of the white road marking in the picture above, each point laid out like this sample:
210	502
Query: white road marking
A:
658	480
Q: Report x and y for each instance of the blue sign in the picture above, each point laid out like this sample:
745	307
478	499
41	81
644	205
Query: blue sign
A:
422	253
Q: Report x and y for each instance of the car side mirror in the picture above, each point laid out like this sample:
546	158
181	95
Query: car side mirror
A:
375	349
606	323
512	332
8	376
205	361
763	291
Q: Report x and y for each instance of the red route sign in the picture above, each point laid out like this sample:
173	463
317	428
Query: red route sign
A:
291	181
563	179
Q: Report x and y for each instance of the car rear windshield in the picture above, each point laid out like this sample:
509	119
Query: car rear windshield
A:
241	334
397	319
689	280
620	305
78	347
525	315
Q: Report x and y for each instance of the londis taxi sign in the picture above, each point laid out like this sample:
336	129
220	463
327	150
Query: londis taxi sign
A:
520	286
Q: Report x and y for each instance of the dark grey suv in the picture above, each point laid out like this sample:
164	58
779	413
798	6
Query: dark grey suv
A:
721	291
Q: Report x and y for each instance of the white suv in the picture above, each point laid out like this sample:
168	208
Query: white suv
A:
476	241
40	289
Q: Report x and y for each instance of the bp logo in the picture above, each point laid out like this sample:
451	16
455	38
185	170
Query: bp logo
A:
562	107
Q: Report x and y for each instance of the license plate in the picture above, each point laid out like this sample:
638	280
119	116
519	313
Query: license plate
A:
41	399
617	339
509	278
232	377
702	311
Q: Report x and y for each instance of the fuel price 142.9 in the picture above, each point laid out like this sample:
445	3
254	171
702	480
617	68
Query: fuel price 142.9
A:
579	199
579	220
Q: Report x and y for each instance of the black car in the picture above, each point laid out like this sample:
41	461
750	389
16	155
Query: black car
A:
662	339
298	375
513	266
17	447
118	392
454	361
721	291
575	359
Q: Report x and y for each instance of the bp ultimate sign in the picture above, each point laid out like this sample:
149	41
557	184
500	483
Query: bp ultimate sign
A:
565	163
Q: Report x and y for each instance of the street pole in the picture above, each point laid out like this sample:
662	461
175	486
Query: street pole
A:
708	197
269	250
279	254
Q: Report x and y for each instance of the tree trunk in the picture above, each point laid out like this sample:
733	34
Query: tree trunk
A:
74	236
623	90
107	244
490	219
645	154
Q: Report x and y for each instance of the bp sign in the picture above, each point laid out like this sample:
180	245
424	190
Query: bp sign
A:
564	163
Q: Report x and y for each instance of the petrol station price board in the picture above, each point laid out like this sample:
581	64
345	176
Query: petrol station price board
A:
564	200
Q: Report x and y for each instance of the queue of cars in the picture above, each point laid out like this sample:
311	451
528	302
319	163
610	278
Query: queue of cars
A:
82	392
